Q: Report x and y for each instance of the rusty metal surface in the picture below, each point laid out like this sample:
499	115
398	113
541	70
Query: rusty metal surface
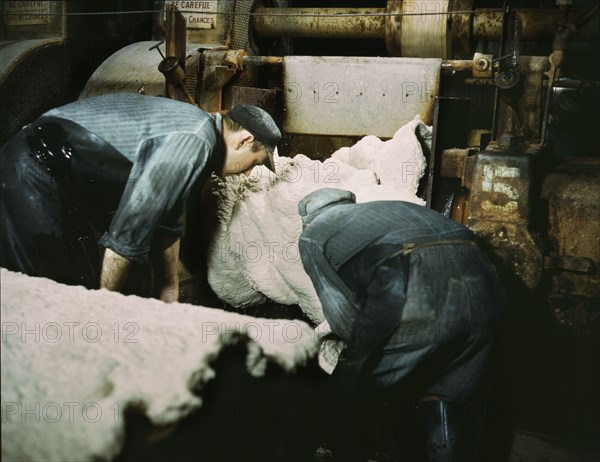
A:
453	163
457	65
582	265
538	24
175	39
175	47
519	118
393	28
532	68
573	195
552	74
217	69
242	37
413	36
514	246
502	181
460	28
317	22
262	60
261	97
499	211
357	96
460	206
482	65
487	25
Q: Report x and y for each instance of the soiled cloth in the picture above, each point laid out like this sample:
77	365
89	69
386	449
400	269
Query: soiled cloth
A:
411	266
170	145
74	361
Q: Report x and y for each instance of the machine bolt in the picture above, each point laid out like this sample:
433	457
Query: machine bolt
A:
482	64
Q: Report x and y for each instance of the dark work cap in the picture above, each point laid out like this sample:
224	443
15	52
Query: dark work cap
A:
261	125
317	201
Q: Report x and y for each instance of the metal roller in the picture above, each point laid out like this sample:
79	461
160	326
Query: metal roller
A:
412	35
425	36
320	22
412	29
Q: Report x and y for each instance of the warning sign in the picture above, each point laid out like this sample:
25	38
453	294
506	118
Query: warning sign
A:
198	15
27	13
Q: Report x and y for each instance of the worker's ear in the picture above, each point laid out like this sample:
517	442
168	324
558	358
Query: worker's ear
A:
244	138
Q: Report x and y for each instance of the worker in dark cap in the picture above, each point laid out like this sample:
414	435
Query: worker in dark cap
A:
119	167
416	303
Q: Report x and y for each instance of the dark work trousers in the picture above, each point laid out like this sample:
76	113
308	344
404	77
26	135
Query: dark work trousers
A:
41	231
427	327
60	188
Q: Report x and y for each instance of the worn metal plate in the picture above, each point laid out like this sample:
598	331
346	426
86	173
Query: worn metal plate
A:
357	96
130	69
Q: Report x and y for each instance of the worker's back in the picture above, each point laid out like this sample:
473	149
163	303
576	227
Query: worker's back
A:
348	228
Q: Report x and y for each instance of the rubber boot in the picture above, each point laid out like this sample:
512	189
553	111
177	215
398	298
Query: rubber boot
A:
442	423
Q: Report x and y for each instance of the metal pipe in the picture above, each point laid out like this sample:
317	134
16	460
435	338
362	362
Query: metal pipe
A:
457	65
538	24
262	60
320	22
447	64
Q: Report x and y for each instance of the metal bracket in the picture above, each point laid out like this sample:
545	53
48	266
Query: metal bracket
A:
508	78
482	65
218	67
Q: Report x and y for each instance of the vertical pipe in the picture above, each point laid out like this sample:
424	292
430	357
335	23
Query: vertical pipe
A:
175	46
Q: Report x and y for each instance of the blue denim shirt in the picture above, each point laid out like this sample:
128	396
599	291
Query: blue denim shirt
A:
171	145
341	232
401	306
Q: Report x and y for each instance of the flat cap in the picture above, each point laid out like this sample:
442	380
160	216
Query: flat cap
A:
317	201
261	125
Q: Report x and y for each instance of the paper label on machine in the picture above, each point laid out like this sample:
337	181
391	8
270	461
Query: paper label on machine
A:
198	15
26	13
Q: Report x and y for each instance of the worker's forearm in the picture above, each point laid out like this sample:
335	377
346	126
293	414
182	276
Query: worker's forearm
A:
115	269
169	286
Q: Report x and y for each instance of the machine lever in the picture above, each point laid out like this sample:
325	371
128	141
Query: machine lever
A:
157	48
173	72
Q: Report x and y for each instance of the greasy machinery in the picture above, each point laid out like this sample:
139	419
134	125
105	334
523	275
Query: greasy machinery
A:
494	179
508	115
493	82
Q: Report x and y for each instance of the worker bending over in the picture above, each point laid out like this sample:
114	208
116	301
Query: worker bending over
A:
120	166
416	302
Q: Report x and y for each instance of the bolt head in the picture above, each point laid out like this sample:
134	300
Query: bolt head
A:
482	64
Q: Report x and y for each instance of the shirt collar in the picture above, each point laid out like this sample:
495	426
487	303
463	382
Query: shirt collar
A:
218	119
